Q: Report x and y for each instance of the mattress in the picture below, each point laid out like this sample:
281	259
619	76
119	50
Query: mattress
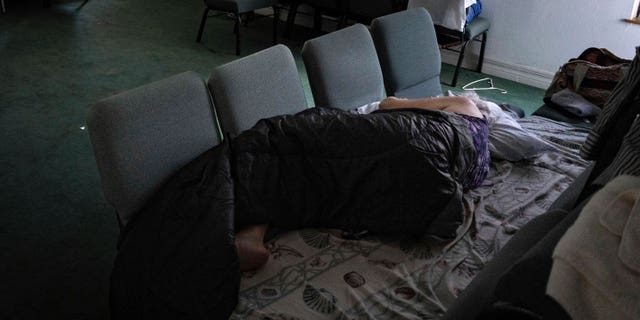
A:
323	274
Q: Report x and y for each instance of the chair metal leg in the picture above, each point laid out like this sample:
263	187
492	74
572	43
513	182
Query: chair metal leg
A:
460	58
317	20
276	17
237	28
342	21
236	25
245	18
291	17
482	47
204	19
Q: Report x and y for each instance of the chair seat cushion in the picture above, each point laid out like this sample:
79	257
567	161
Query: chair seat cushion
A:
478	26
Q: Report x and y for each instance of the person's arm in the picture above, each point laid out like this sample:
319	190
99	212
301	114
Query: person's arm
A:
460	105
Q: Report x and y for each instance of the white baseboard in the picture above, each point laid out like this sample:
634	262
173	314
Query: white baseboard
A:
514	72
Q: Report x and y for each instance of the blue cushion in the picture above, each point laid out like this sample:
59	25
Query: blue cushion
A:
478	26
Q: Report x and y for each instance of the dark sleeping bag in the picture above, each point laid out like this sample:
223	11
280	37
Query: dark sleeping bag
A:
177	257
387	172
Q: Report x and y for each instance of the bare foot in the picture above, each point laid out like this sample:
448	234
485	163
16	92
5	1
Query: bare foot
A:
251	251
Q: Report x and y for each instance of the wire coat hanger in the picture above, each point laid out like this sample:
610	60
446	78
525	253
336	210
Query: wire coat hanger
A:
490	86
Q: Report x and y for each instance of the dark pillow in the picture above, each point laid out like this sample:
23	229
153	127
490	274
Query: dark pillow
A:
574	103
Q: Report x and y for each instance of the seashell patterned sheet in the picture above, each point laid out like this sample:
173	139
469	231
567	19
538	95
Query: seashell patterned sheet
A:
318	274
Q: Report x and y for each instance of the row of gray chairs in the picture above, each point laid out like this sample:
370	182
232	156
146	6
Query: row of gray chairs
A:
261	85
352	66
346	69
141	137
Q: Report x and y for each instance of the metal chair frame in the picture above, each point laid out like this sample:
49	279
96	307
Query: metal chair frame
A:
238	21
449	39
340	12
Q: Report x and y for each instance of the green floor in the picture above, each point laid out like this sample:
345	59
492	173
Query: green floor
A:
57	234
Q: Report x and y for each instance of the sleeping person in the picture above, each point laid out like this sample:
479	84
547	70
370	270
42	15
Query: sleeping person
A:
401	170
249	240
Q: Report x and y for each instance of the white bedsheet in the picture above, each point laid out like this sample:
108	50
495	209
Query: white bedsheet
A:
318	274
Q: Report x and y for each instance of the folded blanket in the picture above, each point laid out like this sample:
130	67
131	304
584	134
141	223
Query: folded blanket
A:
622	219
594	273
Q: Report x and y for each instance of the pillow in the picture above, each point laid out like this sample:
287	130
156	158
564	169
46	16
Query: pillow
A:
575	103
507	139
515	144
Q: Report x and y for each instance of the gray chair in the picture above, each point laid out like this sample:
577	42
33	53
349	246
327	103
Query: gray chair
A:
261	85
237	8
141	137
343	68
409	56
457	41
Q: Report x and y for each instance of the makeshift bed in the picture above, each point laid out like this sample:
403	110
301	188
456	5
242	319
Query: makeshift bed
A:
166	265
319	274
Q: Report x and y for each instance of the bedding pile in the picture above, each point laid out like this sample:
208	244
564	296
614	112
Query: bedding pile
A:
320	274
385	173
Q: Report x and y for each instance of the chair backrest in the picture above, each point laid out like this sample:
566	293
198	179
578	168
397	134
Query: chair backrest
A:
409	55
343	68
261	85
143	136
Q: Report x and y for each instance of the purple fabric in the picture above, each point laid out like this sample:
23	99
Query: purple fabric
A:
479	130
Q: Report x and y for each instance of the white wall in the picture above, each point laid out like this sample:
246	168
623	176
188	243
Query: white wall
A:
530	39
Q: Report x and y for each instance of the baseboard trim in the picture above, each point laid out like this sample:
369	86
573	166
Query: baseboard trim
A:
514	72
